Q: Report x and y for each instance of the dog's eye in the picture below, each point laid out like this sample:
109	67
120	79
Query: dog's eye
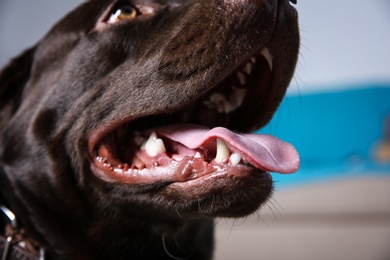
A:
123	12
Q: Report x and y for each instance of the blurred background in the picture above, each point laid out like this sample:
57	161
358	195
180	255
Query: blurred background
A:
337	115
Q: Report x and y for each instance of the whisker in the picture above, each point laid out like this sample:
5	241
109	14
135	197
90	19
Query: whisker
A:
167	251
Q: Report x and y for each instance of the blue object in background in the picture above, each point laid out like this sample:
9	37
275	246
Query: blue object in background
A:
335	133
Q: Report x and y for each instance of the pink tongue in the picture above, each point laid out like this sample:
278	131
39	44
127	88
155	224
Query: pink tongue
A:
262	151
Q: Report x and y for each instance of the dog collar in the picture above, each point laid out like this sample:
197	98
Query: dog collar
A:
14	242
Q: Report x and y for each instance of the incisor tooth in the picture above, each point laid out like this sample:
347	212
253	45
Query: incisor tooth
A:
267	55
222	151
198	155
235	159
153	145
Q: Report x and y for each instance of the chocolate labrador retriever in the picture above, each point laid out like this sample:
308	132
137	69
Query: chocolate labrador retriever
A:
126	130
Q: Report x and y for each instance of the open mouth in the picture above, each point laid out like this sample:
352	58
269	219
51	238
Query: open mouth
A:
199	140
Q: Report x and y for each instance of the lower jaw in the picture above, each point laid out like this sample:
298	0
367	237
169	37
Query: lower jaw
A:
216	195
220	195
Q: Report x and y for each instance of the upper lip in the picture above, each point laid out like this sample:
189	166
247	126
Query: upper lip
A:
245	69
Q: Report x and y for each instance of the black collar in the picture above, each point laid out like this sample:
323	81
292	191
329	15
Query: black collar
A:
14	242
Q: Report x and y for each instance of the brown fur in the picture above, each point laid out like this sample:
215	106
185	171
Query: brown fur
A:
83	75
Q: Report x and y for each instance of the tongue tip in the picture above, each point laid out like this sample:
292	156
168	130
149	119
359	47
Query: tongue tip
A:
292	167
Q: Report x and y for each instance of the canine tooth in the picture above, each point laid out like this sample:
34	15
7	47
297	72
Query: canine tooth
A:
222	151
253	59
235	159
242	78
153	145
267	55
198	155
248	68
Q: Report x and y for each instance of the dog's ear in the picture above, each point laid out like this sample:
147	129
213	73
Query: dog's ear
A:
13	78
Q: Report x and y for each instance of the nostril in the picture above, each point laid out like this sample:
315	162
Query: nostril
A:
293	1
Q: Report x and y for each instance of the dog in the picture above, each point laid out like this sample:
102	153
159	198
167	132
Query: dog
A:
127	129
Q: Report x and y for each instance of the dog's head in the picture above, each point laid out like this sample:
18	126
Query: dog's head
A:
132	112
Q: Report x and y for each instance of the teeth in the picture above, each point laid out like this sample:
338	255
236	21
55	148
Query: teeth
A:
236	98
153	145
223	152
101	159
220	102
248	68
235	159
267	55
198	155
138	139
217	101
242	78
224	104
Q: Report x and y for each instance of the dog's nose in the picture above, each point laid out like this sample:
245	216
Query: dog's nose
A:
293	1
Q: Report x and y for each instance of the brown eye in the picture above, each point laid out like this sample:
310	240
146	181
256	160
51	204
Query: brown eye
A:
123	12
